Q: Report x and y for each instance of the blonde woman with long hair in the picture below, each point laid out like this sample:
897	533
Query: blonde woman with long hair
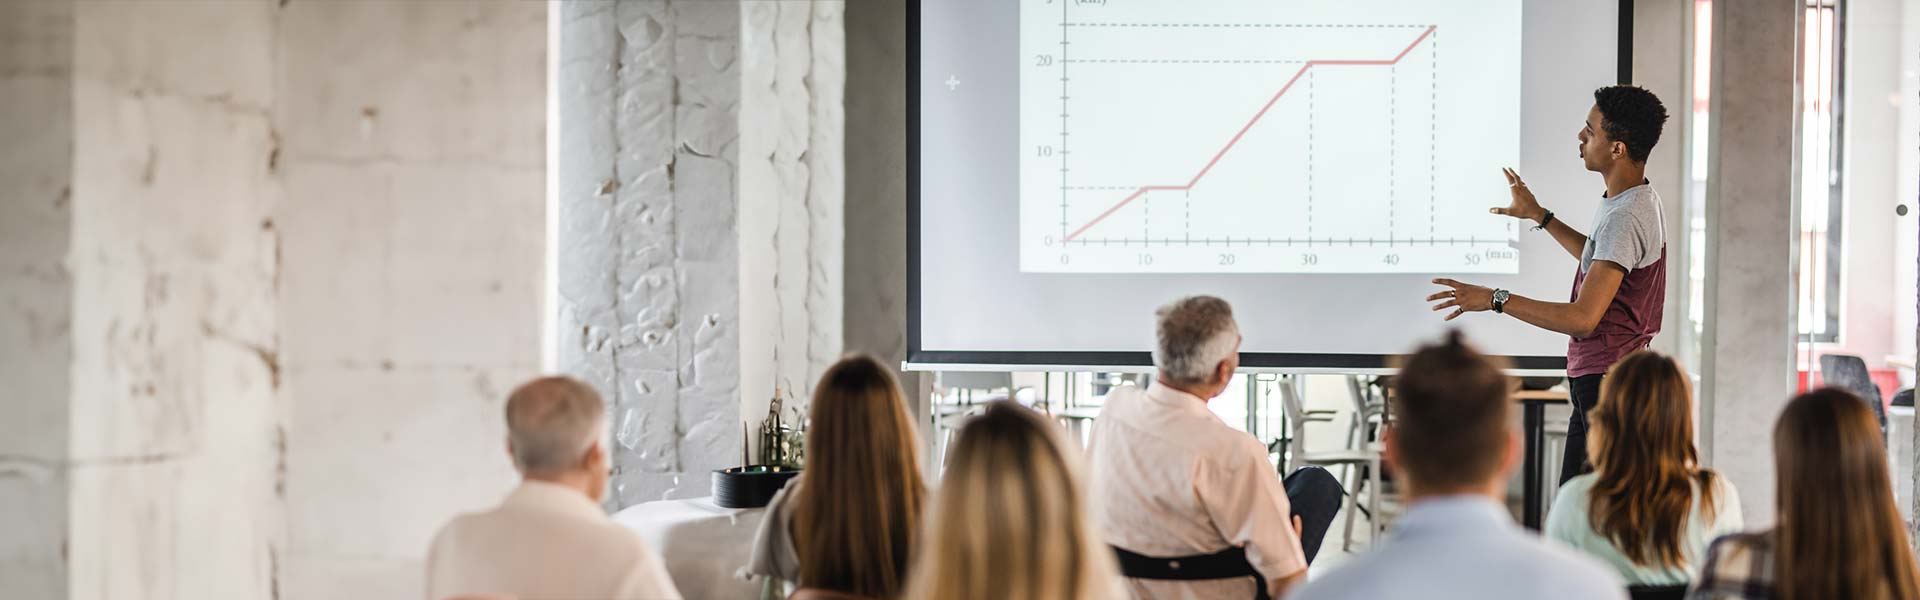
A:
1839	534
1648	509
1010	520
848	523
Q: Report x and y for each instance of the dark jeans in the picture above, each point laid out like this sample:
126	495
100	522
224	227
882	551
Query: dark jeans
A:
1315	496
1583	392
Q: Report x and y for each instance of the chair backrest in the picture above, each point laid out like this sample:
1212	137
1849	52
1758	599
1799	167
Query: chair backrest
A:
820	594
1850	372
1656	592
1904	398
1292	399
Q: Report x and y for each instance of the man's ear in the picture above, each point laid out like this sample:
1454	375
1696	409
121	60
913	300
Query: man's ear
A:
595	455
1223	372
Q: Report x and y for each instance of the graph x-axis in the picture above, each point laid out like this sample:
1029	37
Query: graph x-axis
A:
1287	241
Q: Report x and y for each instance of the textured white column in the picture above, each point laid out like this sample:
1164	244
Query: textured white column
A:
1748	346
36	293
648	97
177	427
791	203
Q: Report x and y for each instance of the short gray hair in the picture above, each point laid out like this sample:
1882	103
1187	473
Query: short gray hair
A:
1193	335
551	421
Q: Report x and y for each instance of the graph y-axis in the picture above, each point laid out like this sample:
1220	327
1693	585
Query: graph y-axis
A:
1063	122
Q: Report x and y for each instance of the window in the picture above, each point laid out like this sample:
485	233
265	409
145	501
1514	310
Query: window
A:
1821	202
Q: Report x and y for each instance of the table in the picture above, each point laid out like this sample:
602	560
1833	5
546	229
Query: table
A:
702	544
1533	419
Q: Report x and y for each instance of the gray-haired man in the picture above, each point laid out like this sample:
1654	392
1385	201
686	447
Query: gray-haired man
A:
1191	505
549	539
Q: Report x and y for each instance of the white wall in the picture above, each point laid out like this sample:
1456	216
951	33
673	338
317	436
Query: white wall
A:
411	154
1871	180
176	415
1907	177
305	254
36	87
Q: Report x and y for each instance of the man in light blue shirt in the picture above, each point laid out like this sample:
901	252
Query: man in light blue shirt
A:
1452	447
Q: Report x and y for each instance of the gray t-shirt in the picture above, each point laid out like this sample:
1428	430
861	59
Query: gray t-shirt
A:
1628	230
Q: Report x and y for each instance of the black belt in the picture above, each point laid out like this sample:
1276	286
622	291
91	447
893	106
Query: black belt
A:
1225	564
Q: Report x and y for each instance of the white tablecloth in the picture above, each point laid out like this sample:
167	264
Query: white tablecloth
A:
703	545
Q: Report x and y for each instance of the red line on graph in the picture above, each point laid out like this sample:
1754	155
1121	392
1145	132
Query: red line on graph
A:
1250	122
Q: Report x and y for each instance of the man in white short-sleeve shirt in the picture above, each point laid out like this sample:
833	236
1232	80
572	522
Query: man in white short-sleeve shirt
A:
549	539
1173	482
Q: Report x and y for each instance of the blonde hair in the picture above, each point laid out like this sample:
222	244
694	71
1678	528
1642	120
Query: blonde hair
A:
1010	521
856	517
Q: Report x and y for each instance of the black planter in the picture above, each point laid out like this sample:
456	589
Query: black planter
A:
751	486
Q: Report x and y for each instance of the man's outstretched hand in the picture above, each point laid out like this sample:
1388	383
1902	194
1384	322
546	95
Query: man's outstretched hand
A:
1463	298
1524	206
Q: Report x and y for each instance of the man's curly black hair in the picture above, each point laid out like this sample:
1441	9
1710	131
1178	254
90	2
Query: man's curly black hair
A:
1632	116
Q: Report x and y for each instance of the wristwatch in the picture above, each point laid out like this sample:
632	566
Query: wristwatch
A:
1500	300
1544	221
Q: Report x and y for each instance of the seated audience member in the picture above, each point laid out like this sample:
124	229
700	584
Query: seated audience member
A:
1191	505
1838	533
1648	509
1452	446
1010	520
848	522
549	539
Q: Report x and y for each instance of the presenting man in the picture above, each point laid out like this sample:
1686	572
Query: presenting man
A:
1621	283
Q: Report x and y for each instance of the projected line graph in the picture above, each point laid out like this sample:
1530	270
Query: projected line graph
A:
1253	136
1243	129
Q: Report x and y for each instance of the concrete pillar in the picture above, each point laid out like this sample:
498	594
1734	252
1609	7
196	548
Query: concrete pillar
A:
649	298
1748	343
36	294
410	148
177	426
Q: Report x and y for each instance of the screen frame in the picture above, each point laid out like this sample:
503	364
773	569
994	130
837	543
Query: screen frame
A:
921	359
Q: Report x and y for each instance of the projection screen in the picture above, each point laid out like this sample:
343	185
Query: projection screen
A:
1074	164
